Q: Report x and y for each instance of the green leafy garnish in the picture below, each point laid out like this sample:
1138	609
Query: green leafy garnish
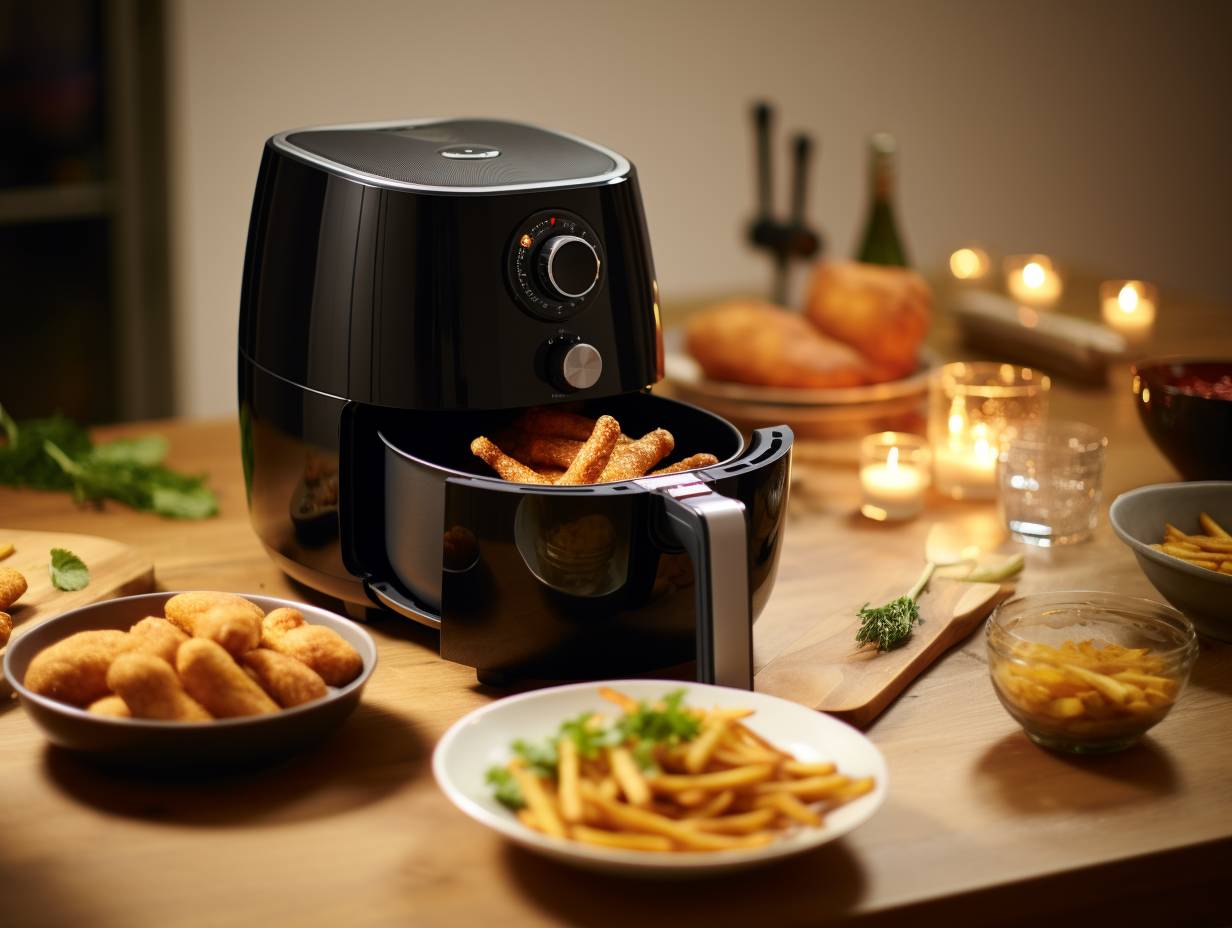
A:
649	725
890	625
589	737
57	454
505	788
68	571
541	759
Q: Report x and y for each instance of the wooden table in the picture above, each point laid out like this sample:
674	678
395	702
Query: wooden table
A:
980	825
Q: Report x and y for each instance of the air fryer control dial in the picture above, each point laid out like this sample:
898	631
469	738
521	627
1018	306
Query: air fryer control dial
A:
555	264
575	366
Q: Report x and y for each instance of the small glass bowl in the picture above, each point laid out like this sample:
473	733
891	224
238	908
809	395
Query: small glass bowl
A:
1070	666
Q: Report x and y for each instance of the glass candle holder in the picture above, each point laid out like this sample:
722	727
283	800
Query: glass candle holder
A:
975	408
894	473
1032	279
1128	307
969	264
1051	477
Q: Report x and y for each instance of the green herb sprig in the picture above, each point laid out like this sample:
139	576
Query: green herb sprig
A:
889	626
57	454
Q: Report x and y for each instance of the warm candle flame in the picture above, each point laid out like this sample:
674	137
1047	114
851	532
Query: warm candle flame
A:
1127	299
892	459
967	263
1033	274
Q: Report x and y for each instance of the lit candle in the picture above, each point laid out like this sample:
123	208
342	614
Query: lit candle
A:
1032	279
1128	306
893	476
969	264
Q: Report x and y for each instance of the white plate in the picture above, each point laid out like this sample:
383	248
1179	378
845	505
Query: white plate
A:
481	740
684	372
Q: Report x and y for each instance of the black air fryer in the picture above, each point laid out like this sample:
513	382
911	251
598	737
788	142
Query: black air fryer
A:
409	286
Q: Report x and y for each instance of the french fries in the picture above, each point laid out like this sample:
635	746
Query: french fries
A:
1211	549
709	784
553	446
1083	688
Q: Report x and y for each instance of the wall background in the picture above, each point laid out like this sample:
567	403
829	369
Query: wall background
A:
1097	132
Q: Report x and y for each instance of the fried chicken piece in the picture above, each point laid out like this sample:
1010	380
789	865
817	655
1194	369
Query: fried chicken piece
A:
882	312
748	341
12	586
74	670
323	649
151	690
506	468
232	621
6	628
215	680
111	706
158	637
288	681
593	456
696	460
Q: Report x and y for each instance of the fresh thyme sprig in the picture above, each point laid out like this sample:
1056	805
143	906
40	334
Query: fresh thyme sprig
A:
890	625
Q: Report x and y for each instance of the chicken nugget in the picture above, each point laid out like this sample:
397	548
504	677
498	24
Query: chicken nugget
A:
158	637
151	690
215	680
696	460
112	706
323	649
232	621
594	454
12	586
6	628
75	670
289	681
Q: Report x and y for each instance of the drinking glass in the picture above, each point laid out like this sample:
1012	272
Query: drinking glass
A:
1050	478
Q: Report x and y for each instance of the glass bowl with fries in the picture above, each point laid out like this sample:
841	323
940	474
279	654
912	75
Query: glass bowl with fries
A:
1086	672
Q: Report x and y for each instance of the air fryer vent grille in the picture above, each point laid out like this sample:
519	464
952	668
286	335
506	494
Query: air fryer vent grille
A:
411	154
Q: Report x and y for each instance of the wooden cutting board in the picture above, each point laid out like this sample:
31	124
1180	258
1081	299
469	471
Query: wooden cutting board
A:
825	669
115	570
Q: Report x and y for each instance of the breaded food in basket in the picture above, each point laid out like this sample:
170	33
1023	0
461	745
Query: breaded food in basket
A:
151	690
75	670
230	620
157	637
6	628
288	681
323	649
212	677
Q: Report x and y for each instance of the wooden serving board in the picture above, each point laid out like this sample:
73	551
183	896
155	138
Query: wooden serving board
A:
115	570
825	669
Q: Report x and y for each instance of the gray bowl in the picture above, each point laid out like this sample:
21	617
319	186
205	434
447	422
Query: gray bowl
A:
150	743
1138	518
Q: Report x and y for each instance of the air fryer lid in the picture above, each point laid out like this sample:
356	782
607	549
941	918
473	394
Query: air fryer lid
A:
458	155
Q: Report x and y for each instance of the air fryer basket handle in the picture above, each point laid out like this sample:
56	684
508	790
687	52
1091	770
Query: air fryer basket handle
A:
711	527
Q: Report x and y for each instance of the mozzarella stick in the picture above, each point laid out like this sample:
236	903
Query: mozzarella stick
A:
594	454
507	468
696	460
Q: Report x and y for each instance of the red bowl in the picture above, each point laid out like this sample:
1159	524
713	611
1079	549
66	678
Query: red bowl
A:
1186	406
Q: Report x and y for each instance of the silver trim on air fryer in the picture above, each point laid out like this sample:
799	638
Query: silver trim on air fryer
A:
280	142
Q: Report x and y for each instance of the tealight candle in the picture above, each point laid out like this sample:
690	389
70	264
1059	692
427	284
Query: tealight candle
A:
1032	279
1128	306
969	263
974	409
893	475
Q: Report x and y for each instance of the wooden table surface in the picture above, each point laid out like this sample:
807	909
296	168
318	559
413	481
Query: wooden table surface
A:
979	825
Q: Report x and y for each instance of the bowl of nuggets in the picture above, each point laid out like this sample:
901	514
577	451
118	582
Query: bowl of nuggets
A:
175	678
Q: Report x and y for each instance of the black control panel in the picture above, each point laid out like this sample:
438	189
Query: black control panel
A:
555	264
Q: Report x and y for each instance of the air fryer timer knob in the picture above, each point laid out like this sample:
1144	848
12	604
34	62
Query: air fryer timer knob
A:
568	267
575	366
